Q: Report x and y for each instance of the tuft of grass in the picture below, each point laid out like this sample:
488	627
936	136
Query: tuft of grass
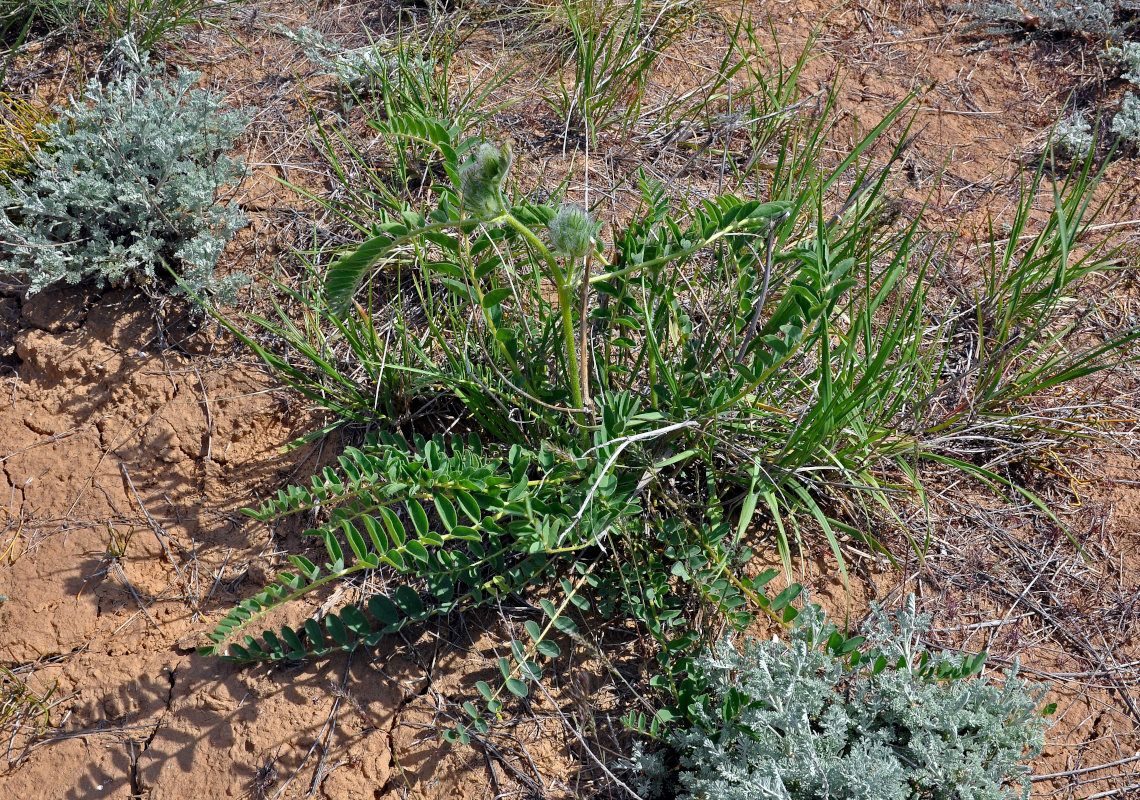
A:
20	18
23	707
614	45
23	131
148	21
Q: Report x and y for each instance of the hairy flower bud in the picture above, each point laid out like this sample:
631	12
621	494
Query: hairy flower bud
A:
571	231
482	177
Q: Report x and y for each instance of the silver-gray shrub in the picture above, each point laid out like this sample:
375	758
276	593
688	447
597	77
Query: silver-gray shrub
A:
810	726
127	185
1073	136
1097	18
355	67
1125	58
360	69
1126	123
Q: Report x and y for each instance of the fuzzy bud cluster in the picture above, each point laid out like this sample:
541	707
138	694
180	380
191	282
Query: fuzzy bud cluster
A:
572	231
482	178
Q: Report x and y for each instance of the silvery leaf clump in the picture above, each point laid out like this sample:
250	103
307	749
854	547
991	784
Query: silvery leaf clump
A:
1073	136
646	771
126	187
793	720
1127	59
1093	18
1126	123
358	68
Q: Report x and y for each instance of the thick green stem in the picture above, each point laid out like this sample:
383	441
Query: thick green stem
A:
584	330
574	378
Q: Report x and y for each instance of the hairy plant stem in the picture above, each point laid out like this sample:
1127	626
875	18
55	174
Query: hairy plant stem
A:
584	332
576	377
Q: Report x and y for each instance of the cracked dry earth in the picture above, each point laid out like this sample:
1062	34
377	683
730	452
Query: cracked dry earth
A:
124	465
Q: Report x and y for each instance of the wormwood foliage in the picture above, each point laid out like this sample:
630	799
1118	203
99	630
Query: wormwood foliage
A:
124	187
1099	18
815	717
1073	136
1126	59
354	67
1126	123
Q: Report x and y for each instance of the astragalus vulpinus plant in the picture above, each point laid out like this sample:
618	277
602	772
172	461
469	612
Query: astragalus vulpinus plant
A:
631	404
124	187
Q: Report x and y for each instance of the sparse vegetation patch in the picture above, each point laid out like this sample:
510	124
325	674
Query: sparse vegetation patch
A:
633	408
617	324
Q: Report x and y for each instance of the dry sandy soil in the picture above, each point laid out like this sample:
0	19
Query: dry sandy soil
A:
130	439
